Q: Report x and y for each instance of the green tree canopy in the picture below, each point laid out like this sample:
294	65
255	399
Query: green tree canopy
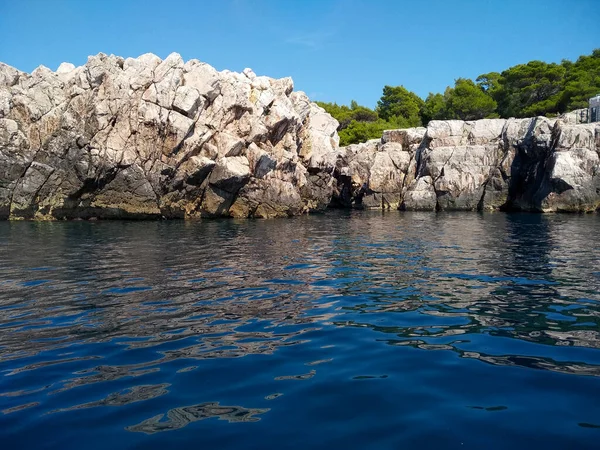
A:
530	89
434	108
399	103
356	123
467	101
535	88
363	131
345	115
489	82
582	81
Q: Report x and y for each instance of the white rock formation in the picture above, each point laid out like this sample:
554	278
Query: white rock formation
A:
534	164
377	173
143	137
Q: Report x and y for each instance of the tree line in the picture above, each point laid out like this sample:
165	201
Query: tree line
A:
525	90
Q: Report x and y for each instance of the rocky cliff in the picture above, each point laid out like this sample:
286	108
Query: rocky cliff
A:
147	138
537	164
143	137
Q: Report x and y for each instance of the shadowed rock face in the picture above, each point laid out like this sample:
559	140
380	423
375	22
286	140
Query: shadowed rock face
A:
142	138
535	164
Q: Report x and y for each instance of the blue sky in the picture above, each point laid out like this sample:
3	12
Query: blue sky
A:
336	50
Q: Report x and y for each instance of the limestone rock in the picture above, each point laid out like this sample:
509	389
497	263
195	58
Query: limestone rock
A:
377	173
316	145
145	137
575	117
65	68
421	196
534	164
566	177
461	159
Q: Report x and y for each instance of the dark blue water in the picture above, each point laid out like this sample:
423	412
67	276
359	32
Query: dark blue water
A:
356	330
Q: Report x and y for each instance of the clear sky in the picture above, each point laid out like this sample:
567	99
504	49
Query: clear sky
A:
336	50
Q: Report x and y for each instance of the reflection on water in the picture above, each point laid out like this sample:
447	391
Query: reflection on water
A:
180	417
134	394
113	327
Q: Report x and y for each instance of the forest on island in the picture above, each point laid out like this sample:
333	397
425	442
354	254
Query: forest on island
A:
525	90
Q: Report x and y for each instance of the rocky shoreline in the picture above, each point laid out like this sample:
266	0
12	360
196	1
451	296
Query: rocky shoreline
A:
150	138
535	164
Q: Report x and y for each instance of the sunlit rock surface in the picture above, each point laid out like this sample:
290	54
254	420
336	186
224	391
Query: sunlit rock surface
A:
535	164
145	137
148	138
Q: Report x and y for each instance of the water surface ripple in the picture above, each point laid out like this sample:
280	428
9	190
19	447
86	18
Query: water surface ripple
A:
355	329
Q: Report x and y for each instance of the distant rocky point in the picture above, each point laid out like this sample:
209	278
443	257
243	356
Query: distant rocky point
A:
147	138
536	164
